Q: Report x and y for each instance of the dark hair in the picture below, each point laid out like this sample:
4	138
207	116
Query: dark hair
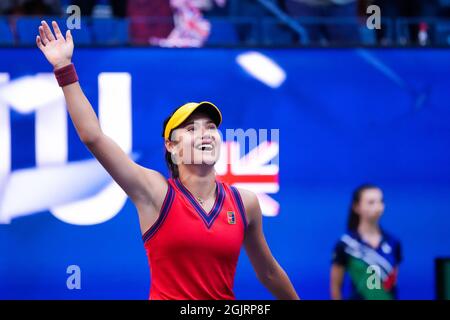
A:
353	216
173	168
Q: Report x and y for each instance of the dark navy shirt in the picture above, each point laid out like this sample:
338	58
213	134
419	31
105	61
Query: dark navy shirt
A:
372	271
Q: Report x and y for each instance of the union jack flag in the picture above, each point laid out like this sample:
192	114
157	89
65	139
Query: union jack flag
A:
254	171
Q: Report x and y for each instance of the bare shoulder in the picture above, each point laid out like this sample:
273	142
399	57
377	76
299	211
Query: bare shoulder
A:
251	204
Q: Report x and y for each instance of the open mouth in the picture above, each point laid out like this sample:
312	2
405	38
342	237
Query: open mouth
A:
205	147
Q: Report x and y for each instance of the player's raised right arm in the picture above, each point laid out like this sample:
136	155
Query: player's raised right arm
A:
143	186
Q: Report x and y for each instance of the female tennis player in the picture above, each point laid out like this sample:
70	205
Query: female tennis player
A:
193	225
369	254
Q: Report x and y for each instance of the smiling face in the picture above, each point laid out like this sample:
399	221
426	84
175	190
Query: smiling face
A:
196	142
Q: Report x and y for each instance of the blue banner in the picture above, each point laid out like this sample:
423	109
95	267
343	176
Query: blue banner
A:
340	118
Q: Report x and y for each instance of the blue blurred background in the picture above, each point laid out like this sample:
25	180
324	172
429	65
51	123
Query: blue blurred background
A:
346	116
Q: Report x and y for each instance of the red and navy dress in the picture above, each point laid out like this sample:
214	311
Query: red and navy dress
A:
192	253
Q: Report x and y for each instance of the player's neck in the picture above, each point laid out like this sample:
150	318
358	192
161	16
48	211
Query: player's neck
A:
369	228
199	181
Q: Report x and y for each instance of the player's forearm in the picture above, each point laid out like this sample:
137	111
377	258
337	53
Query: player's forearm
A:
58	51
82	114
336	293
279	285
336	281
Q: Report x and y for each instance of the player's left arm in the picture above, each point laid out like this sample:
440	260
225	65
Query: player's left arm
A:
267	269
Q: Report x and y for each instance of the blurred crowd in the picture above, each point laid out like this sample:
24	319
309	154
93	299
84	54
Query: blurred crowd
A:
354	12
30	7
185	22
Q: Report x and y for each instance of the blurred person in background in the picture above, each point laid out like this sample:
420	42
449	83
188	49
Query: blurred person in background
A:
119	7
419	31
30	7
343	29
149	19
390	10
6	6
366	252
174	23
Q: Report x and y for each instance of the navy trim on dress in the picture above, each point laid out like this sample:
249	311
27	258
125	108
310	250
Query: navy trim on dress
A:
208	218
240	204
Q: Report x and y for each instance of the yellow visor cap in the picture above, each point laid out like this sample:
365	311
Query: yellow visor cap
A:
187	109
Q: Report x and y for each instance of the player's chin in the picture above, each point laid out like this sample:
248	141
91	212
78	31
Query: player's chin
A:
210	160
207	158
375	215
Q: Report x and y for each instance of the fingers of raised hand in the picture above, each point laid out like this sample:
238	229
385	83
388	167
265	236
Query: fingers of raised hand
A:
39	43
57	30
47	32
42	36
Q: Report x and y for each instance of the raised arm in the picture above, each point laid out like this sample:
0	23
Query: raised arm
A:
145	187
267	269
